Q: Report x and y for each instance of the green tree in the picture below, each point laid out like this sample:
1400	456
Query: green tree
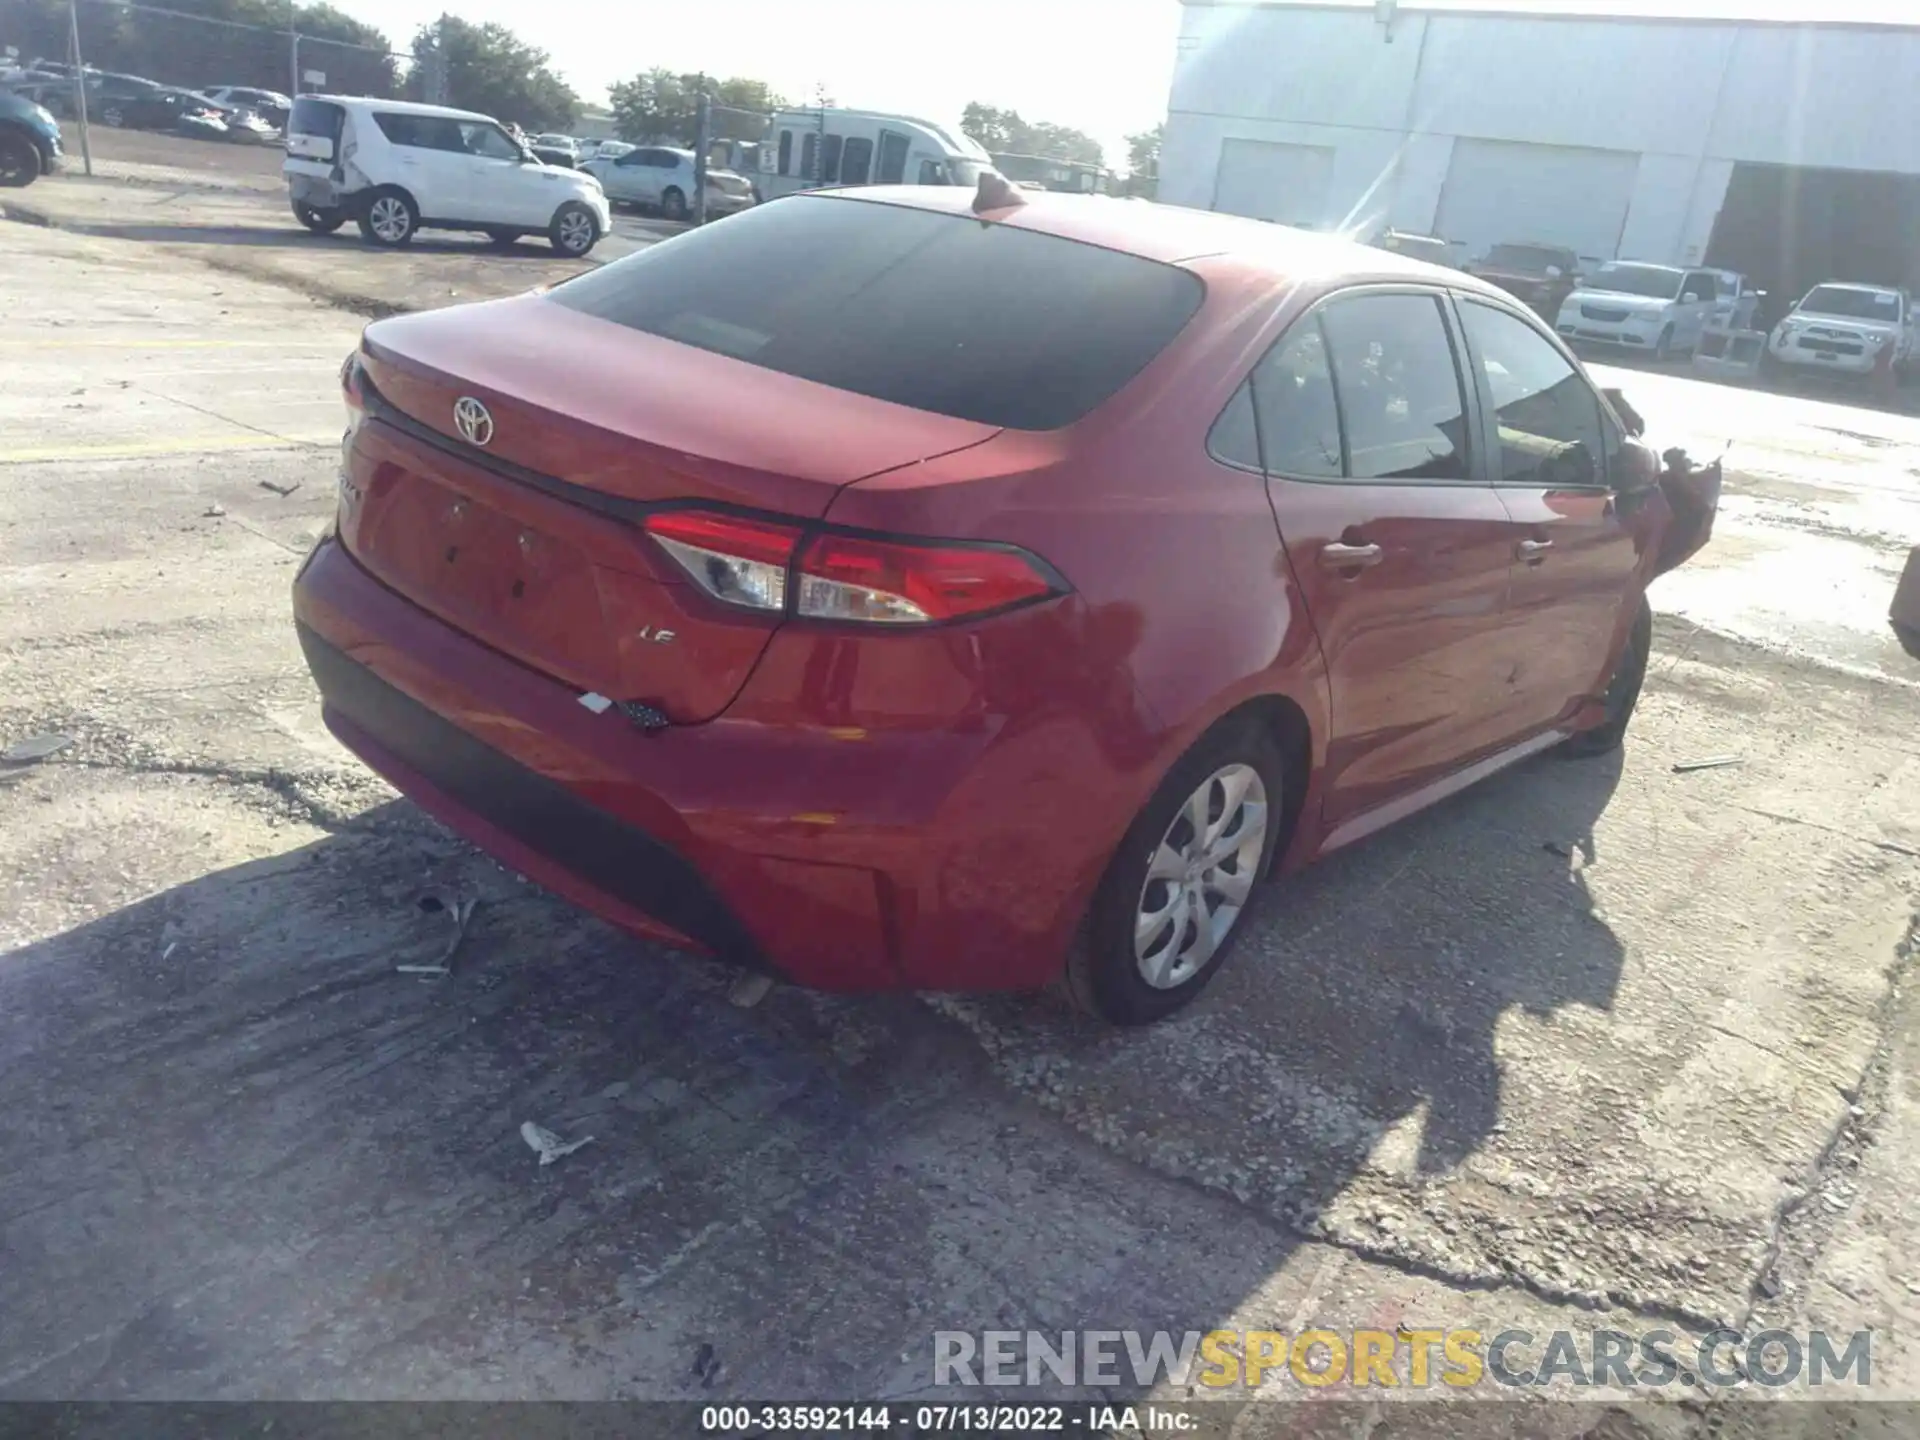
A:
1004	132
182	48
995	129
1143	161
490	69
660	105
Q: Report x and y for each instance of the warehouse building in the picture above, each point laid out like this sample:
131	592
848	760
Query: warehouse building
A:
1744	136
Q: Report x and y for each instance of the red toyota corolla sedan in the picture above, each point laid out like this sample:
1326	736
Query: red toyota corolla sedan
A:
900	587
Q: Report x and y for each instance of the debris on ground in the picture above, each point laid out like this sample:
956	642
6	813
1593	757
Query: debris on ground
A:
749	989
455	909
706	1364
34	749
1554	847
549	1146
280	489
1709	762
214	512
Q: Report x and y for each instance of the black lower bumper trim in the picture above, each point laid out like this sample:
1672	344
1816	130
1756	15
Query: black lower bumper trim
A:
606	852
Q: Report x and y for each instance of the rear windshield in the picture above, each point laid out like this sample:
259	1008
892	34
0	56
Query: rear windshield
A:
941	312
316	117
1855	304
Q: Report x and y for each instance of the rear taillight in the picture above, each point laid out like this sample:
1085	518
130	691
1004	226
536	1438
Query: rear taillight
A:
769	566
743	562
849	577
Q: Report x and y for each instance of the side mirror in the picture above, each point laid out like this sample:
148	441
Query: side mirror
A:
1690	298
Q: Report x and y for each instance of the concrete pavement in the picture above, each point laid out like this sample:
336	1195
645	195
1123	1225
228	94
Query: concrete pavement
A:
1591	1045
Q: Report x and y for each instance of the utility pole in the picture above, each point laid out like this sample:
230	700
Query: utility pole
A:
293	50
79	83
702	139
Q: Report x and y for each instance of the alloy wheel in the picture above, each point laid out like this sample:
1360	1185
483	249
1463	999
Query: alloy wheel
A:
576	232
1200	876
389	219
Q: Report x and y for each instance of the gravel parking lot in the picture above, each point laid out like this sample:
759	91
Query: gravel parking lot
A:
1596	1043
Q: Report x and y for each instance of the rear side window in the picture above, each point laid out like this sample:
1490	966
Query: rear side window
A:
1549	417
316	117
982	322
1400	394
786	152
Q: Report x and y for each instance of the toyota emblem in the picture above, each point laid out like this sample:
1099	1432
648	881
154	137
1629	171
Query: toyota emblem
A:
471	419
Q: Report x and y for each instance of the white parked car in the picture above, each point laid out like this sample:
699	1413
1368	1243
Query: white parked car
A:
662	178
1847	328
397	168
1659	309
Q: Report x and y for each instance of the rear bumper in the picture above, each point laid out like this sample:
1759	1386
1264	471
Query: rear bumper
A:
465	781
839	859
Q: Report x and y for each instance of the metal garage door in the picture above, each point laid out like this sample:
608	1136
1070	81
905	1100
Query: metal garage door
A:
1506	190
1287	183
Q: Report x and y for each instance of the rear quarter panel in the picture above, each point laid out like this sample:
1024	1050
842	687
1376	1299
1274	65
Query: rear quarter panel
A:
1186	604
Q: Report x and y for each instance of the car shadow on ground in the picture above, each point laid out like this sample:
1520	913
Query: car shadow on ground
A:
245	1156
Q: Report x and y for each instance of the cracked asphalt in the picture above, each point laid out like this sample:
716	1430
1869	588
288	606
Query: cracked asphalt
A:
1596	1043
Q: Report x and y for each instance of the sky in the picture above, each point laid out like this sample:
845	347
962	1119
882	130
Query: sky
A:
1102	66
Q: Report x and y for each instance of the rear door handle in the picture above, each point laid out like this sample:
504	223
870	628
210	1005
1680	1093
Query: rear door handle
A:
1337	556
1533	551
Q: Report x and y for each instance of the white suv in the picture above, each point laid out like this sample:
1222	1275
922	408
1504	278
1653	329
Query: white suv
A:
396	168
1847	328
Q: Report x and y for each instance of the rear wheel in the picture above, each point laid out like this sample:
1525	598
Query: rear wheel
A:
321	221
575	230
1623	692
19	159
390	217
673	203
1169	907
113	115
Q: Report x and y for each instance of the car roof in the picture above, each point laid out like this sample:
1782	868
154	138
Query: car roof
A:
401	107
1858	285
1174	234
1646	265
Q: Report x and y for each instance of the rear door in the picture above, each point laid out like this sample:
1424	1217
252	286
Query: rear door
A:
315	131
1574	559
430	163
1398	541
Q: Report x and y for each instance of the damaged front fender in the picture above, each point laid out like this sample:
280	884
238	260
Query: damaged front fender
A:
1691	492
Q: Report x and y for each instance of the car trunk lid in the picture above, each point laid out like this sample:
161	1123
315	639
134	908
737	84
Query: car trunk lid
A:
525	531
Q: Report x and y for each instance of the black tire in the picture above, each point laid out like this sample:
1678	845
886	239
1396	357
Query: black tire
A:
1663	347
502	238
673	204
1623	693
380	216
113	115
320	221
575	230
1102	975
19	159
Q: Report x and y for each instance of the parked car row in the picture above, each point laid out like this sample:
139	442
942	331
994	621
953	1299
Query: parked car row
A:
133	102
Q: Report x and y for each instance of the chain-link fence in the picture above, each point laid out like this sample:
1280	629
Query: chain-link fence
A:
136	66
